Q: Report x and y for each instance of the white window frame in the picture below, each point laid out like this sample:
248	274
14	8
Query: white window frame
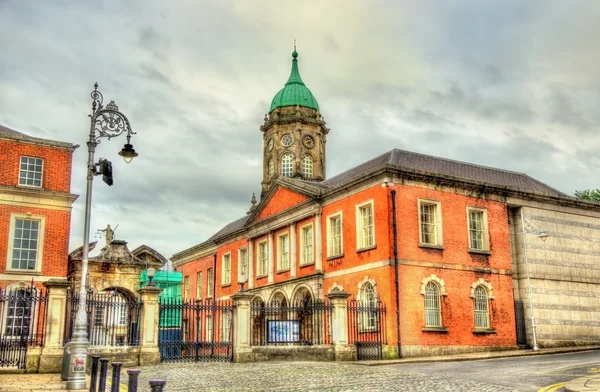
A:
430	312
308	165
226	269
360	238
478	312
208	328
210	281
439	236
303	253
27	171
280	255
369	315
485	229
330	235
40	242
225	330
260	262
32	319
243	262
199	285
291	165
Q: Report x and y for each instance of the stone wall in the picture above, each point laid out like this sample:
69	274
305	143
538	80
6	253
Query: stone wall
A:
564	272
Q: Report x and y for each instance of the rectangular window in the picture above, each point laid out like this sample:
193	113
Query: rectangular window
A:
334	232
209	283
262	259
209	329
243	262
226	268
25	244
30	171
19	313
430	223
478	229
306	245
186	288
225	327
283	252
199	285
365	226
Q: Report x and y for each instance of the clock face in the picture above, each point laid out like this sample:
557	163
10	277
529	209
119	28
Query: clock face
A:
270	144
287	140
308	141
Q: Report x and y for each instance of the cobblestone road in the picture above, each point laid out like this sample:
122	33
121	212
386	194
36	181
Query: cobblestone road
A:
301	376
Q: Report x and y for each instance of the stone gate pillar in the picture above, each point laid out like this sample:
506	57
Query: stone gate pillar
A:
242	352
339	327
149	323
52	352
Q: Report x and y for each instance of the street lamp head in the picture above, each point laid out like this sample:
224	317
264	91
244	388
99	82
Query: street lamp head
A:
543	235
128	153
150	273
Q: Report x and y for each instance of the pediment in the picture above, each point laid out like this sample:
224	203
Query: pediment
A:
280	198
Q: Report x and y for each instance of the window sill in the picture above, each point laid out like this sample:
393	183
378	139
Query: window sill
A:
261	276
431	246
480	251
307	265
30	187
484	331
283	271
366	248
435	329
23	272
226	285
335	257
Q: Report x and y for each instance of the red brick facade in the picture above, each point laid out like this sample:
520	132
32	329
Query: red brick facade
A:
49	204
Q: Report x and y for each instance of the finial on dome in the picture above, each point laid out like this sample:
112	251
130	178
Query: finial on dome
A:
294	53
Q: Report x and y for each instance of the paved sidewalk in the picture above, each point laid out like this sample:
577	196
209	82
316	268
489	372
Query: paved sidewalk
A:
584	384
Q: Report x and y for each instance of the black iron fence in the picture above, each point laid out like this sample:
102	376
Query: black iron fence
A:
113	319
305	322
195	330
367	328
22	319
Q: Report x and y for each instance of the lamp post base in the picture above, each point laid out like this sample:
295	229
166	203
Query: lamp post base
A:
77	364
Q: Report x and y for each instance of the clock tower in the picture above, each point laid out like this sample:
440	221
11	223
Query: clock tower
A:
294	134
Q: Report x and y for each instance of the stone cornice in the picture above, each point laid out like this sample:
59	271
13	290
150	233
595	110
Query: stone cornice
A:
195	252
19	137
294	119
36	198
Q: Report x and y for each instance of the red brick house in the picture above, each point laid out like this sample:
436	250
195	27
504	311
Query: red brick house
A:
426	236
35	208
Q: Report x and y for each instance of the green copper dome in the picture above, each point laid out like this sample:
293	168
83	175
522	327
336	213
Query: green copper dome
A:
295	91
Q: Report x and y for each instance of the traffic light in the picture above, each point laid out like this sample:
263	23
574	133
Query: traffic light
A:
106	171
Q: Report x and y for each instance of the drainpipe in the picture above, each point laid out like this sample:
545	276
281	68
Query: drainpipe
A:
214	303
395	233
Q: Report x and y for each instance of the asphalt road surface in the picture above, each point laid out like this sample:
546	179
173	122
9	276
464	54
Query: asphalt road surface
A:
531	373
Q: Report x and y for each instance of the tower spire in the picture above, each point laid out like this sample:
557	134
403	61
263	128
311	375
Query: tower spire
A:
295	73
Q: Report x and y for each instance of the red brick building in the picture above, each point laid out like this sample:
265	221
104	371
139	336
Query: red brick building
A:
426	236
35	208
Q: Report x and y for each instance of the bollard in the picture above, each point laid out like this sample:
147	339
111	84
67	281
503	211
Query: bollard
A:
103	371
94	375
116	377
132	386
157	385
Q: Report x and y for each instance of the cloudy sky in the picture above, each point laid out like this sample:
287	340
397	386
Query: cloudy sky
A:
509	84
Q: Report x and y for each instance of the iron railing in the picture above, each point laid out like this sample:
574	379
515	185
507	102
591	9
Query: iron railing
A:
22	319
305	322
113	319
195	330
367	328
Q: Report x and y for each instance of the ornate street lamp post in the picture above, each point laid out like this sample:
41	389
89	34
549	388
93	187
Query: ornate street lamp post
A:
105	122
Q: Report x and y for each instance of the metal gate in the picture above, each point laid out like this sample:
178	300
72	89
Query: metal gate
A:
520	323
195	330
23	318
367	328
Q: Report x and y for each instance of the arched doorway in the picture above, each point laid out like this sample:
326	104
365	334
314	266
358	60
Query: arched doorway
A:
303	312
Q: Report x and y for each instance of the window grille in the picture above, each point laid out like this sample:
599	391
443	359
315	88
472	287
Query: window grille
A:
369	304
482	314
428	224
19	313
476	229
30	171
433	313
25	244
287	165
307	166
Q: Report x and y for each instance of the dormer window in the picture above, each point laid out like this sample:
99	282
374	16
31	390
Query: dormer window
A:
30	171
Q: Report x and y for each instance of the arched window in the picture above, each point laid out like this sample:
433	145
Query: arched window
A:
433	311
287	165
271	168
481	305
368	303
307	166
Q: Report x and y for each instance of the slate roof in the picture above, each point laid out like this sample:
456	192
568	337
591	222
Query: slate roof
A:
230	228
16	135
431	165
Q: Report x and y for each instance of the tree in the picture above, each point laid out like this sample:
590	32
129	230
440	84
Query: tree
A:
589	194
